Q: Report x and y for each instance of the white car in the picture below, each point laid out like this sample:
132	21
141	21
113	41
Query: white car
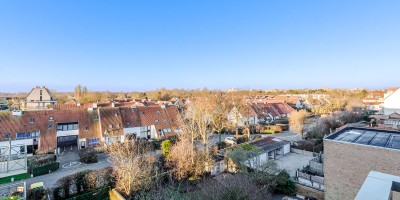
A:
230	140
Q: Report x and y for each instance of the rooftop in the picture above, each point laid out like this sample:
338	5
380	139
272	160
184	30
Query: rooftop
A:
368	136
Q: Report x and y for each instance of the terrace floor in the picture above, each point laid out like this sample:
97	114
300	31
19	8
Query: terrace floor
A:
293	161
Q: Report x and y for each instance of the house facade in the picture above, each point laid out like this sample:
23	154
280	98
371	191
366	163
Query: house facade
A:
38	99
48	130
391	103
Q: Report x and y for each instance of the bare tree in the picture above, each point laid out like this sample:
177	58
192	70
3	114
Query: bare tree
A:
296	121
133	166
187	161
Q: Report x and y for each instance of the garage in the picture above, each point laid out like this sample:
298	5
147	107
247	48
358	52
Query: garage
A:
67	141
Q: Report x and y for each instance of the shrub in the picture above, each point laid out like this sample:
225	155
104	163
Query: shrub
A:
284	184
81	183
88	155
56	192
222	145
37	194
155	145
241	139
166	146
37	171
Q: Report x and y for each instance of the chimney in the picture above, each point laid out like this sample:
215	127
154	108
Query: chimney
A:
95	105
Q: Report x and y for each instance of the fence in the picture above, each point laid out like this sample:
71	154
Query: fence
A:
310	180
15	191
13	160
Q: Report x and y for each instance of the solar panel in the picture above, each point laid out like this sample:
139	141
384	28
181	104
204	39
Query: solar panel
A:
380	139
349	136
366	137
394	142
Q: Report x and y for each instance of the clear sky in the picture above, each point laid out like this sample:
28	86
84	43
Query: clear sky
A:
143	45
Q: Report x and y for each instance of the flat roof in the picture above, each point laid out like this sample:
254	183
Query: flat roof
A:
368	136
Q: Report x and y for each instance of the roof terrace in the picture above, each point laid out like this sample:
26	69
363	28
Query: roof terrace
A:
368	136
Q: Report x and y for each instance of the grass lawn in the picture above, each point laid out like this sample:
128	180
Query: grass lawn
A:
16	178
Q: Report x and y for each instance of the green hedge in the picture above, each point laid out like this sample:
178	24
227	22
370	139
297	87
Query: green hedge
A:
16	178
45	169
97	194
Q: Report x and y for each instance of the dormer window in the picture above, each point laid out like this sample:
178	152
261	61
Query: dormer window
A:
142	113
110	126
128	125
116	114
31	120
172	120
6	136
50	126
165	121
156	121
158	112
96	117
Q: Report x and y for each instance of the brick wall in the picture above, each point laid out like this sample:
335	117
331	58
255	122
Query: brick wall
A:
347	166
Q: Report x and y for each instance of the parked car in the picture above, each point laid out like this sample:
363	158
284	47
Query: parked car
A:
36	185
231	140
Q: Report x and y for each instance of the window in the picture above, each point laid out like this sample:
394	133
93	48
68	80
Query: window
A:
117	125
31	120
67	127
142	113
110	126
96	117
93	141
172	120
51	118
128	125
41	92
116	114
6	136
165	121
156	121
158	112
50	126
28	135
86	128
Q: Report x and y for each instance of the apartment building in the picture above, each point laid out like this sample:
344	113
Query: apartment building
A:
352	153
38	99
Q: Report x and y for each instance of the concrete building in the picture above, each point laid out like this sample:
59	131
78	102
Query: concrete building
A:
352	153
38	99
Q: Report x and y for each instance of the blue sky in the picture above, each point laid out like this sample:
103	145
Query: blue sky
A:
143	45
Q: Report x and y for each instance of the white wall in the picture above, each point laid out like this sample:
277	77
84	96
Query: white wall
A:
131	131
67	133
392	103
286	149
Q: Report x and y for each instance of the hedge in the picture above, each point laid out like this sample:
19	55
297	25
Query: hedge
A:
16	178
97	194
45	169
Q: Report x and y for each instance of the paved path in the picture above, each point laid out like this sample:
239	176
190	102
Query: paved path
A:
50	180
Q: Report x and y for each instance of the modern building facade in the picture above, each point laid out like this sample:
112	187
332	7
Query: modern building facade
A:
38	99
352	153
